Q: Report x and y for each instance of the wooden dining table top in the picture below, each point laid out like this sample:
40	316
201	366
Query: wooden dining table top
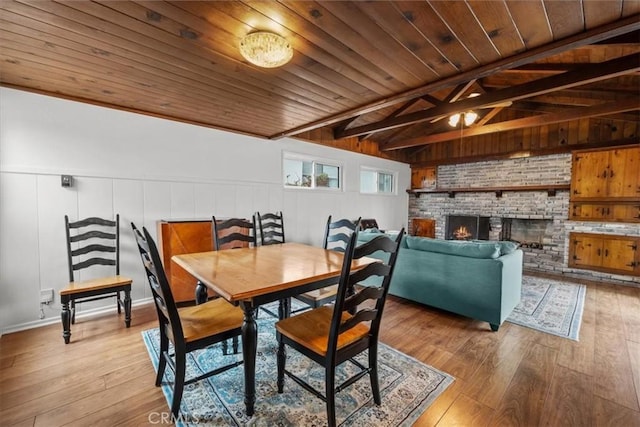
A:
244	273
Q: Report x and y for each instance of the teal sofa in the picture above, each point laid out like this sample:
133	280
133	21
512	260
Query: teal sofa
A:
477	279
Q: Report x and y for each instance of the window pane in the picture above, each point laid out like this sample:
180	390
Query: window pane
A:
385	183
297	173
327	176
368	181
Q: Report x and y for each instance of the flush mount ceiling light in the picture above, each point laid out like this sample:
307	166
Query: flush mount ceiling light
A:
267	50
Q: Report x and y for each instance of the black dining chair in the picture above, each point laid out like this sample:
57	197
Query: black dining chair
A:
332	335
271	226
93	246
336	237
187	328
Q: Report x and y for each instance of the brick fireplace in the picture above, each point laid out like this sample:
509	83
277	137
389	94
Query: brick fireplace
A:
535	218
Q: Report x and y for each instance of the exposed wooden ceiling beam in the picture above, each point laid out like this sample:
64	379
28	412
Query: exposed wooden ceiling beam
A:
540	120
620	27
526	153
573	78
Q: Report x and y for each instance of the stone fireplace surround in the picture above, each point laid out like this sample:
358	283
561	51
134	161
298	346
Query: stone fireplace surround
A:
542	170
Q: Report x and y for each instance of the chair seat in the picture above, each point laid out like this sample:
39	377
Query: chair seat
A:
95	284
211	318
319	297
311	329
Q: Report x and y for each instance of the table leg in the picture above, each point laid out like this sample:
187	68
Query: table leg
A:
249	349
201	293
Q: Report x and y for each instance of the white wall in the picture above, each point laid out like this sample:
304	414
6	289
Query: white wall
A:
145	169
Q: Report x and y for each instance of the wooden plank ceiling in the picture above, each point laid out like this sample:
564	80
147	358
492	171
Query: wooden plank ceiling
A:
379	77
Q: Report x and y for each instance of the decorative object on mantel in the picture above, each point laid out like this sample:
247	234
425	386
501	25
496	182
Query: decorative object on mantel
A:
408	385
550	306
550	189
266	49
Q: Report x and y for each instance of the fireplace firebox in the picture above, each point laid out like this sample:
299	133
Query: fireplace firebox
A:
467	227
529	233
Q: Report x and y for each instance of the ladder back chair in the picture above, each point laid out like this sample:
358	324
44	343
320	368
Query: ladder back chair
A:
271	228
94	242
233	233
228	233
336	237
187	328
332	335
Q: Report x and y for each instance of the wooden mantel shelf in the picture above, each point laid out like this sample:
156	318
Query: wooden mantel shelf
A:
550	189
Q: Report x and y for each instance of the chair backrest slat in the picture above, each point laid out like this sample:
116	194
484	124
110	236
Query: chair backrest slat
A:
92	248
94	241
93	261
93	221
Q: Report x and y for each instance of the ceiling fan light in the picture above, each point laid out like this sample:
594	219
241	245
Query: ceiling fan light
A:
265	49
454	120
470	117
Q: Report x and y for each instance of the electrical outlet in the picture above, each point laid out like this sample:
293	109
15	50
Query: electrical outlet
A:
46	296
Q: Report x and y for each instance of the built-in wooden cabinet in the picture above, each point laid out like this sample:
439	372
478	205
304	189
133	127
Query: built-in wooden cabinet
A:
605	185
605	252
423	177
423	227
592	211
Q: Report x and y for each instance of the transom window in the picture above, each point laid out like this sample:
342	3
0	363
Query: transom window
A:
375	181
304	172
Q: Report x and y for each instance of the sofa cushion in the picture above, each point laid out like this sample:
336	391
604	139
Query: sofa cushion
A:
455	247
507	247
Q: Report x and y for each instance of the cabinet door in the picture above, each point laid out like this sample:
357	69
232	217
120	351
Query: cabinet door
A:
423	177
589	176
623	174
626	212
619	254
587	251
424	227
589	211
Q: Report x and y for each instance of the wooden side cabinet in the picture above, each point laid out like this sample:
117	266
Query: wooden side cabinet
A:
180	237
605	252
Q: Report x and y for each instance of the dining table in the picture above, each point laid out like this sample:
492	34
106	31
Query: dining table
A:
254	276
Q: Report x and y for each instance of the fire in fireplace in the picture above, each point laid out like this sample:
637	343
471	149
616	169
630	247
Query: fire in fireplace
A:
467	227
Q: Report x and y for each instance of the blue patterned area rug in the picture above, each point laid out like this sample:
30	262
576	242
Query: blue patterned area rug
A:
550	306
408	387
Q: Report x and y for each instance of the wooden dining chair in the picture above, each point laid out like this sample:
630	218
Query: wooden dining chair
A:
93	248
336	237
233	233
332	335
187	328
271	227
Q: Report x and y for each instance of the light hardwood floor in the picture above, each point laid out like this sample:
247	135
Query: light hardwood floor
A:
516	376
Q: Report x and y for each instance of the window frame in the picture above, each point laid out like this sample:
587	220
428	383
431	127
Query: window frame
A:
315	161
378	172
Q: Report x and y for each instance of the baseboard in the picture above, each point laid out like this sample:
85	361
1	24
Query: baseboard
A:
94	312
